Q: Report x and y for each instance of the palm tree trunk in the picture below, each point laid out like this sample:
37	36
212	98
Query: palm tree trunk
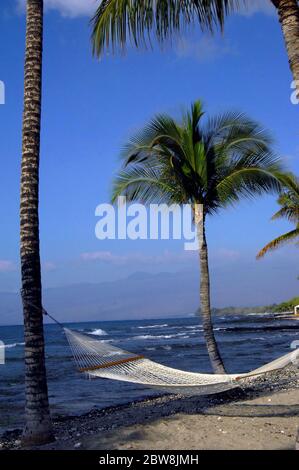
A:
205	304
38	429
288	12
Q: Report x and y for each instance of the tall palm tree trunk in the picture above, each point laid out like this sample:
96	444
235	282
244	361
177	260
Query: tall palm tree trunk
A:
205	304
38	427
288	12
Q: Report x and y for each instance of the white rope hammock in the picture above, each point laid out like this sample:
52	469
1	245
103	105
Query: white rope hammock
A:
100	359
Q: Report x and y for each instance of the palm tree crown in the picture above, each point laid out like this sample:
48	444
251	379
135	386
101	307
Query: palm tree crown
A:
289	201
207	163
213	163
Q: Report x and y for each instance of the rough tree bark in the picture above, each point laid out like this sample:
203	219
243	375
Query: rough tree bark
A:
288	12
38	428
205	302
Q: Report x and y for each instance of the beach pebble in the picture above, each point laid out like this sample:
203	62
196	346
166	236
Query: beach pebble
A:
17	443
78	444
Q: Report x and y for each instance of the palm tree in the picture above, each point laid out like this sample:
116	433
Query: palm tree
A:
209	165
38	429
289	201
116	21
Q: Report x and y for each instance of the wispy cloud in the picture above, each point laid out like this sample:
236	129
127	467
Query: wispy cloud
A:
138	258
206	49
69	8
224	254
258	6
167	257
49	266
6	266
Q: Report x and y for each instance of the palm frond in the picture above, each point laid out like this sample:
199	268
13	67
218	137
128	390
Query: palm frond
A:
289	212
279	242
235	133
180	161
247	182
161	131
147	184
117	22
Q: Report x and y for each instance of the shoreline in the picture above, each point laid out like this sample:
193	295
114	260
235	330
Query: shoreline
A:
90	430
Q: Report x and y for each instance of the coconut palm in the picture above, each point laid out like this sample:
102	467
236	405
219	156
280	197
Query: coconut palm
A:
117	21
209	164
38	428
289	202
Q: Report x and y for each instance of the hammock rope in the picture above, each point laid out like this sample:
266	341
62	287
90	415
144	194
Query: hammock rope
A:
99	359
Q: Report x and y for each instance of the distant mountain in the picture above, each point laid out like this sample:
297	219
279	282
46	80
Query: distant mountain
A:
139	296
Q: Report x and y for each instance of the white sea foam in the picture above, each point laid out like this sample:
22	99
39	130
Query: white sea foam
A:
154	337
177	335
11	345
98	332
152	326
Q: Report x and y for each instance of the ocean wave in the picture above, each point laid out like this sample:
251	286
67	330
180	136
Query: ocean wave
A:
177	335
251	329
98	332
11	345
265	314
152	326
154	337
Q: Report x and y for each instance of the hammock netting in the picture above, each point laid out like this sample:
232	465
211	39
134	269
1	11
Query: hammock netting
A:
100	359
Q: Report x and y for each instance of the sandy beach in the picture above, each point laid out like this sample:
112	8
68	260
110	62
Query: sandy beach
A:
265	423
262	415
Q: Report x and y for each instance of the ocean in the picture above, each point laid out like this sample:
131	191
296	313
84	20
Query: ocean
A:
246	342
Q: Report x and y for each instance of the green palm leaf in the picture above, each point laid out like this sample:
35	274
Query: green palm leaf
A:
214	162
289	201
118	21
279	242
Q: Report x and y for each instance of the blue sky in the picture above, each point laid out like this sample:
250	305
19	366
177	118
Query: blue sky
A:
90	107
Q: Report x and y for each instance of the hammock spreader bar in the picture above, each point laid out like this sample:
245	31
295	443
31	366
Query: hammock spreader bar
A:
111	364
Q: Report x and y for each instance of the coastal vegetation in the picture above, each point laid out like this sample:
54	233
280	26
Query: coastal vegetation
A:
208	163
286	306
